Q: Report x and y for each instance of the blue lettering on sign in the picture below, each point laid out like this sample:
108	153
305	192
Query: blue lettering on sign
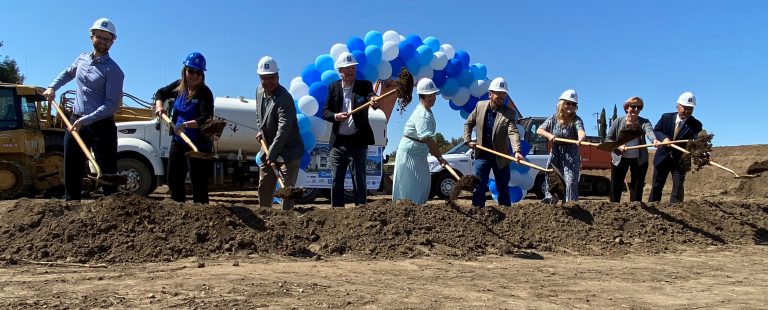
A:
324	174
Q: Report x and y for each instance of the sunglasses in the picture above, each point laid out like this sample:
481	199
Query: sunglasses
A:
194	72
571	104
102	39
637	107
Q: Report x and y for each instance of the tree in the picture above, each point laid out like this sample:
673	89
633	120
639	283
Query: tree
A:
9	71
614	117
603	127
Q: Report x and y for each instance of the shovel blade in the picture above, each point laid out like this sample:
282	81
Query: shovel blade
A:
289	193
110	179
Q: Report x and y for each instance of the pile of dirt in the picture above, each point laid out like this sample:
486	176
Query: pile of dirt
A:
125	228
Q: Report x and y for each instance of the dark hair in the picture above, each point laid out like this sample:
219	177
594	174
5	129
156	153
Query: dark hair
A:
633	100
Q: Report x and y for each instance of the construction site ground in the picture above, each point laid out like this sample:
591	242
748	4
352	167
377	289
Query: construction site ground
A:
132	252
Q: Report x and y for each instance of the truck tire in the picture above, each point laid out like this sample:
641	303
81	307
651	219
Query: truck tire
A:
602	186
14	179
310	194
141	180
442	184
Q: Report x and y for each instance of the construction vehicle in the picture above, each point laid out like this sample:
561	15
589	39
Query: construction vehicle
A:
143	148
460	158
31	144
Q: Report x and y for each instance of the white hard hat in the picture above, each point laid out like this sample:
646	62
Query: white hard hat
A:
346	59
687	99
106	25
267	65
499	84
426	87
570	95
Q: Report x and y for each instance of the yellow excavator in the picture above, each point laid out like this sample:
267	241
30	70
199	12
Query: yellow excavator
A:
32	136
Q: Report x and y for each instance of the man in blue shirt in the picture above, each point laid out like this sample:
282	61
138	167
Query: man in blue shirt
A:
99	91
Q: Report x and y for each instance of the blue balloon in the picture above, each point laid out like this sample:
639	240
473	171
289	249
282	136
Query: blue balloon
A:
305	159
319	91
370	73
320	107
414	39
485	96
450	87
463	57
360	57
479	71
373	38
324	63
463	114
296	103
397	65
373	55
492	187
329	76
413	65
310	75
453	68
453	106
470	105
407	50
465	78
439	78
424	54
515	193
355	44
304	123
309	140
433	43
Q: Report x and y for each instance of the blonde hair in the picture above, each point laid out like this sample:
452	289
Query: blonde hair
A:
561	116
182	88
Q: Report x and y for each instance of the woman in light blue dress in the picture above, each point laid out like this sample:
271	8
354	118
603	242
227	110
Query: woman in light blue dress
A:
411	179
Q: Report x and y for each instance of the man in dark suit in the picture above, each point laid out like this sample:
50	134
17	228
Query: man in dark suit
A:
351	134
277	124
674	126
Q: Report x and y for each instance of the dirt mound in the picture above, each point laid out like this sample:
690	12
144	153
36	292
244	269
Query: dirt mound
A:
125	228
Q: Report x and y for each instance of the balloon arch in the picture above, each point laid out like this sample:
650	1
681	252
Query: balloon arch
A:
380	57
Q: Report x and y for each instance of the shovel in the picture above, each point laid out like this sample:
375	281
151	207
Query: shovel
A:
194	153
283	192
403	90
735	175
576	142
108	179
651	144
467	183
555	176
626	135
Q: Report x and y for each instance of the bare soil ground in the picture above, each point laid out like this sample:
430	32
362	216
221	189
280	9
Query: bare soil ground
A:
125	251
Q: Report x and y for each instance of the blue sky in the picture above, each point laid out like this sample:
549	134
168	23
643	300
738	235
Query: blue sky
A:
606	50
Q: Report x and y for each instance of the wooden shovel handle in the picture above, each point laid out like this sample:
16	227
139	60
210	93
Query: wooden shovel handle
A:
79	140
521	162
274	169
368	104
575	142
651	144
453	172
709	162
180	133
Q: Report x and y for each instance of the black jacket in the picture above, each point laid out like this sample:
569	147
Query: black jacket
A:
665	128
363	91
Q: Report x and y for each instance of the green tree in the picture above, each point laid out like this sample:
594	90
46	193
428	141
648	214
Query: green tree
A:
603	127
614	116
9	71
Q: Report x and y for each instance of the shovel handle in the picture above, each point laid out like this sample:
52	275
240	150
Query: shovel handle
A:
368	104
520	162
651	144
575	142
77	137
709	162
180	133
453	172
274	169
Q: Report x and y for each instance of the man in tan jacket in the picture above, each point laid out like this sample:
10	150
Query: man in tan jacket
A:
495	127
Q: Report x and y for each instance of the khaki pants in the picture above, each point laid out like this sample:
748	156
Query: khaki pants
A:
268	180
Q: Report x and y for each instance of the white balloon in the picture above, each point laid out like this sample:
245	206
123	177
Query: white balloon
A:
461	97
320	128
515	178
402	38
385	70
439	61
526	182
425	72
389	51
479	87
391	36
337	49
448	50
299	89
308	105
296	80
